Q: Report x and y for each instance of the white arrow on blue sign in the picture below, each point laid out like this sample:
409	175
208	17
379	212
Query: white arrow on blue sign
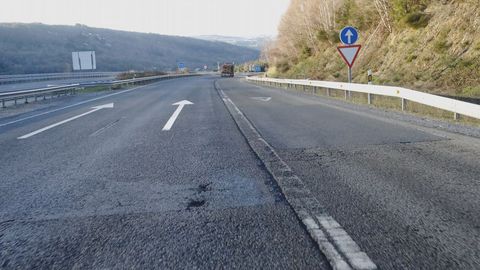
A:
349	35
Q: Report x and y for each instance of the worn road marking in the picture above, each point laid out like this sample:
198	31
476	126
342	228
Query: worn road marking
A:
174	116
357	258
266	99
101	130
97	108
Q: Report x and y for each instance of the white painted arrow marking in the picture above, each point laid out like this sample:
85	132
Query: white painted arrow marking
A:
174	116
97	108
349	35
262	98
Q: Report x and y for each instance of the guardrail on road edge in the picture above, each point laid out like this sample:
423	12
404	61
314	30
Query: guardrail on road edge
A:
456	106
23	78
72	88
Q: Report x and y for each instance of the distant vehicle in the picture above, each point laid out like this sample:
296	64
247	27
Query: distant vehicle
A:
228	70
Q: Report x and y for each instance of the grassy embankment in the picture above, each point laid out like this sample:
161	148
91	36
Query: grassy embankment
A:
426	45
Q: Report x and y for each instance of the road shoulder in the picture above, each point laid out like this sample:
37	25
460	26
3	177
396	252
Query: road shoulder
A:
339	248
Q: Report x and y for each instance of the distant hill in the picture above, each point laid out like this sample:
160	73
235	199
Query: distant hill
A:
254	42
39	48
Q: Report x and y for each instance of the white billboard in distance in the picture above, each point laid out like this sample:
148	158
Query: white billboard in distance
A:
84	60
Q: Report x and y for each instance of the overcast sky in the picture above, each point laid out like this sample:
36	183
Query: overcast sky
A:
172	17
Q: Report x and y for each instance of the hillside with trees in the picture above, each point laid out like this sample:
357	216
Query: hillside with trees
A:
39	48
429	45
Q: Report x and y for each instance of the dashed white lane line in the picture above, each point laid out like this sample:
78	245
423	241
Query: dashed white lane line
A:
357	258
336	260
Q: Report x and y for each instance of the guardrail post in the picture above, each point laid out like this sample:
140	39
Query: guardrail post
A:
369	99
26	99
328	92
456	116
3	103
404	104
346	94
314	90
15	100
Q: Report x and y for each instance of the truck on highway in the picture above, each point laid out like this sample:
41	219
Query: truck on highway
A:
227	70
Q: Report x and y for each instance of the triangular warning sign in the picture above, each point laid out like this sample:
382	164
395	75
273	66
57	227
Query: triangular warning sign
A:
349	53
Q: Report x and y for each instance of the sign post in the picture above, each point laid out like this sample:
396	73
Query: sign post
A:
349	52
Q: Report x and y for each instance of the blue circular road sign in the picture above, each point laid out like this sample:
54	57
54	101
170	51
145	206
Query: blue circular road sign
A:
349	35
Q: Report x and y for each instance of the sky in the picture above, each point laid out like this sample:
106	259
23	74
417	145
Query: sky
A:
245	18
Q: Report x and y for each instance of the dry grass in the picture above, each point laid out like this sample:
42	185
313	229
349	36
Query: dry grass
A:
435	50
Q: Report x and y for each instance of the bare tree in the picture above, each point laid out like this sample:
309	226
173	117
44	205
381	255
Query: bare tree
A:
383	8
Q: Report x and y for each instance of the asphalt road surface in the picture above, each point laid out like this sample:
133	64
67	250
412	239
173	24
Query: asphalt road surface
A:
113	190
141	183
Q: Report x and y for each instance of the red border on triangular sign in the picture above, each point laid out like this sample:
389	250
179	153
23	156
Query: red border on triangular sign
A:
354	58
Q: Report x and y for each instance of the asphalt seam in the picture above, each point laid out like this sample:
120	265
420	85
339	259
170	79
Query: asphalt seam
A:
338	247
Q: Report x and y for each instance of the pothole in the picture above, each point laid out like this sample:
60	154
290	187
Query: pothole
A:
204	187
195	203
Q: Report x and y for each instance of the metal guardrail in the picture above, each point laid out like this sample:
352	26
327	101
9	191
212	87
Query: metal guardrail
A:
448	104
9	79
72	88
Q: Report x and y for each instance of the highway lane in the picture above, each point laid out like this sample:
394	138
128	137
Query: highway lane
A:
111	189
409	196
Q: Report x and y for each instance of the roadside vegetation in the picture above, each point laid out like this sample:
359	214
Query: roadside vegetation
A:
139	74
248	66
429	45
